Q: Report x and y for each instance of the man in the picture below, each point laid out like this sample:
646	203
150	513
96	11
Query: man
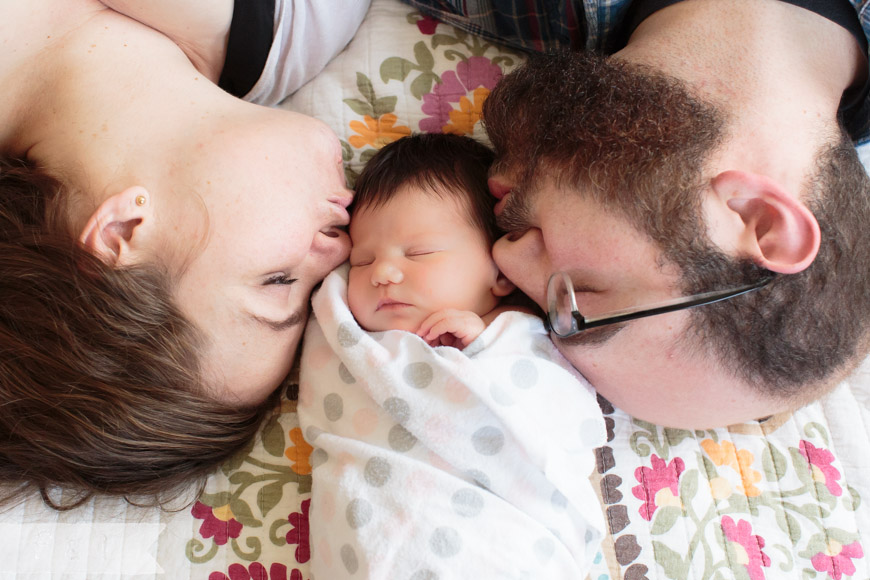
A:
708	153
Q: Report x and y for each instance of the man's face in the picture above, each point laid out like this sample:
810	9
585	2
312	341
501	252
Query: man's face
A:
646	367
605	163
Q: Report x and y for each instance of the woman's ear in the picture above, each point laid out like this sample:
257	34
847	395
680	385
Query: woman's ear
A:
502	286
116	231
778	231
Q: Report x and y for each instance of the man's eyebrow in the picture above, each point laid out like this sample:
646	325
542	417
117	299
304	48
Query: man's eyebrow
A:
294	319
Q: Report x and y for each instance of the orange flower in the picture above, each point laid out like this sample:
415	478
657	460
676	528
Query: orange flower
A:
463	120
299	453
740	460
377	132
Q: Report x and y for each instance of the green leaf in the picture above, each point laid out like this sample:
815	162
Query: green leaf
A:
424	56
384	105
365	87
788	524
269	496
396	68
272	436
422	85
242	512
773	463
801	466
366	155
688	485
674	566
361	108
675	436
215	499
665	519
444	40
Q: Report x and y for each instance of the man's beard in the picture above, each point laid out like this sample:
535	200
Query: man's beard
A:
637	142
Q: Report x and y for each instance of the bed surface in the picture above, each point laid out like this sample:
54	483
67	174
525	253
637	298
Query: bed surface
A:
786	498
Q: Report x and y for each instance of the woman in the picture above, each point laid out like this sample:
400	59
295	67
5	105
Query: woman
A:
159	237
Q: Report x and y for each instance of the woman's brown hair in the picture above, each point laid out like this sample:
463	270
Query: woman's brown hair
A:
100	384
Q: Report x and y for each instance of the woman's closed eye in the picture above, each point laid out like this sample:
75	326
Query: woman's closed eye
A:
279	280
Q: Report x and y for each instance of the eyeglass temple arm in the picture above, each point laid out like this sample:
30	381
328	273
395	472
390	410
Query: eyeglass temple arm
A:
680	304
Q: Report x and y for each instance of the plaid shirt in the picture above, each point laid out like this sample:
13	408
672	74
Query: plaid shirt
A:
547	25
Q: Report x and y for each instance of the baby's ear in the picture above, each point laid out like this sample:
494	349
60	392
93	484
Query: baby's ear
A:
502	286
774	228
117	230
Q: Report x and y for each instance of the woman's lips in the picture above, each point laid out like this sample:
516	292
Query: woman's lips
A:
499	190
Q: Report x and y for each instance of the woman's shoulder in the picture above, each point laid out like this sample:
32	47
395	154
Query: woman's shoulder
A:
199	27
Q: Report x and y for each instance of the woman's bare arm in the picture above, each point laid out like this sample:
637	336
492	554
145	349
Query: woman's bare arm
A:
199	27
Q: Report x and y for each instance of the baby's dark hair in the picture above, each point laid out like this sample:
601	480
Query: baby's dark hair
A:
441	164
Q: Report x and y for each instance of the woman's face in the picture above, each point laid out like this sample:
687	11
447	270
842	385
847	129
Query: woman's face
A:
266	228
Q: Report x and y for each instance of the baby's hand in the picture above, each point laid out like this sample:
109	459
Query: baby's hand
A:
456	328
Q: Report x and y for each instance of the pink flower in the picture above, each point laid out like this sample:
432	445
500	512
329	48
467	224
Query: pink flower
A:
661	477
256	571
427	25
747	546
820	465
837	559
218	522
299	533
476	72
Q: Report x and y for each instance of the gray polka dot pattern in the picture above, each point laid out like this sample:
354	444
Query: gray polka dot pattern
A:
345	375
318	457
348	557
348	334
312	433
418	375
359	512
488	440
558	500
500	396
398	409
445	542
377	472
524	374
480	478
467	502
400	439
333	406
544	549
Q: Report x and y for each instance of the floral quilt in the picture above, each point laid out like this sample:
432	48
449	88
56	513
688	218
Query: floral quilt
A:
782	499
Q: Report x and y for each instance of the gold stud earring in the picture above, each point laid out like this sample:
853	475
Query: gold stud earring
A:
140	200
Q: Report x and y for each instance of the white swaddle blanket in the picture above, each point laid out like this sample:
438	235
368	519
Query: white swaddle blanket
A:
440	463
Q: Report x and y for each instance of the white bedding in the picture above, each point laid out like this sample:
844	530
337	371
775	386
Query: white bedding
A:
786	499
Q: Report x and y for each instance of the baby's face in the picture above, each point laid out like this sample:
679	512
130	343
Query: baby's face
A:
414	256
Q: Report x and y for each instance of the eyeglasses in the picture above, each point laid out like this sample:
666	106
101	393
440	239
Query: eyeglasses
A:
564	320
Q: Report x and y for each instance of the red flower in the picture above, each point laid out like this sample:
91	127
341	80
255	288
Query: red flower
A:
837	559
427	25
256	572
820	465
299	533
659	485
218	522
747	546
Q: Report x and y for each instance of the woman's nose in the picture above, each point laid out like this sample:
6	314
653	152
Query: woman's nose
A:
386	272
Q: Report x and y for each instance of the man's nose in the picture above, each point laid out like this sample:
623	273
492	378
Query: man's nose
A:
386	272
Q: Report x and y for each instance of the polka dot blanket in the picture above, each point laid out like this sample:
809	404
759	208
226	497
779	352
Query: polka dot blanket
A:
435	460
780	500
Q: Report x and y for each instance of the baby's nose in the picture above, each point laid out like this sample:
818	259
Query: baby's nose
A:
385	272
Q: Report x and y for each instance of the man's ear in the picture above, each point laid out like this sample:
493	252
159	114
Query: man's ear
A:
502	286
117	229
778	231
